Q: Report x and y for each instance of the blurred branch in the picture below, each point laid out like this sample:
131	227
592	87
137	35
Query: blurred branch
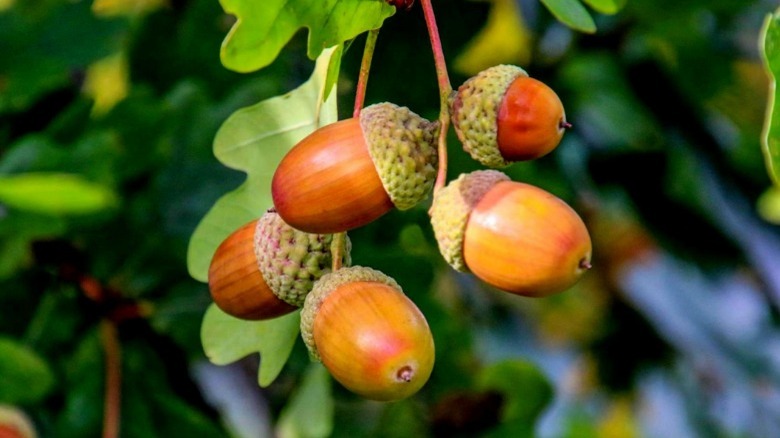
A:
113	390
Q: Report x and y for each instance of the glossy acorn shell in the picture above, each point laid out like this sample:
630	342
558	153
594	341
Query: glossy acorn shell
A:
524	240
374	340
530	120
328	182
236	284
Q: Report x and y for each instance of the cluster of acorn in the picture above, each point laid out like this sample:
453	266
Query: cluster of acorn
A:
356	320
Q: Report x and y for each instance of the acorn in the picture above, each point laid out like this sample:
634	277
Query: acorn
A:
266	268
502	115
368	334
514	236
349	173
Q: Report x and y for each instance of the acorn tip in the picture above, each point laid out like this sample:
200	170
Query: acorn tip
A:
405	374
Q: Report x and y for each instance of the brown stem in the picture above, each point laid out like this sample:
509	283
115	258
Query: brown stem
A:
337	248
365	67
445	90
113	393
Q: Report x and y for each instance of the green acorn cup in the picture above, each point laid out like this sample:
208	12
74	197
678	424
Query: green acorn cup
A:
502	115
266	268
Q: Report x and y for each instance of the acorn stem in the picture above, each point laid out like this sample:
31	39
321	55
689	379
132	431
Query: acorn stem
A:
337	249
365	67
445	90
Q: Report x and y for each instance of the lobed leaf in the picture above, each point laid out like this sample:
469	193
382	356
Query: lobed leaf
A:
227	339
572	14
264	27
254	140
770	44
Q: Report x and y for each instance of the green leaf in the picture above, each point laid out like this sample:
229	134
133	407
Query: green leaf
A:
770	41
227	339
768	205
55	194
24	376
264	27
572	14
526	393
310	412
606	6
254	140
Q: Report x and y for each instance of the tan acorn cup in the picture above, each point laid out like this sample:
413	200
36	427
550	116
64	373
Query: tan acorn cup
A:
266	268
368	334
349	173
514	236
502	115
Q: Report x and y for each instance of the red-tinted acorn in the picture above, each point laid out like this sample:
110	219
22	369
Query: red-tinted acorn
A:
349	173
368	334
266	268
501	116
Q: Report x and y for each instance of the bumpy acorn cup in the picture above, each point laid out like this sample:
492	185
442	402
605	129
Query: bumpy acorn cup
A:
368	334
514	236
349	173
501	115
266	268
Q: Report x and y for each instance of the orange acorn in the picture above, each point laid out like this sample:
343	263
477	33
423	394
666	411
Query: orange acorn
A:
501	115
349	173
514	236
368	334
266	268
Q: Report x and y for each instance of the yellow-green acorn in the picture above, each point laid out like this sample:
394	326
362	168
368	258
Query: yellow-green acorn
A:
368	334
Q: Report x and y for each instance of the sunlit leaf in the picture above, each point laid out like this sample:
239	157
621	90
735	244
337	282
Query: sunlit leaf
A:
505	39
768	205
107	82
309	414
572	14
24	376
264	27
606	6
227	339
6	4
770	41
54	193
254	140
619	420
112	8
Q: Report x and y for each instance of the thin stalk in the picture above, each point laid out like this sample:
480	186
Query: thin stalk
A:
365	67
338	246
113	392
445	90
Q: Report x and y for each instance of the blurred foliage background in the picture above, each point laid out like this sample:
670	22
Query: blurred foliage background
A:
108	109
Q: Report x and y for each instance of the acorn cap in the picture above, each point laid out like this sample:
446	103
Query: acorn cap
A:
451	208
292	260
474	110
327	284
402	146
